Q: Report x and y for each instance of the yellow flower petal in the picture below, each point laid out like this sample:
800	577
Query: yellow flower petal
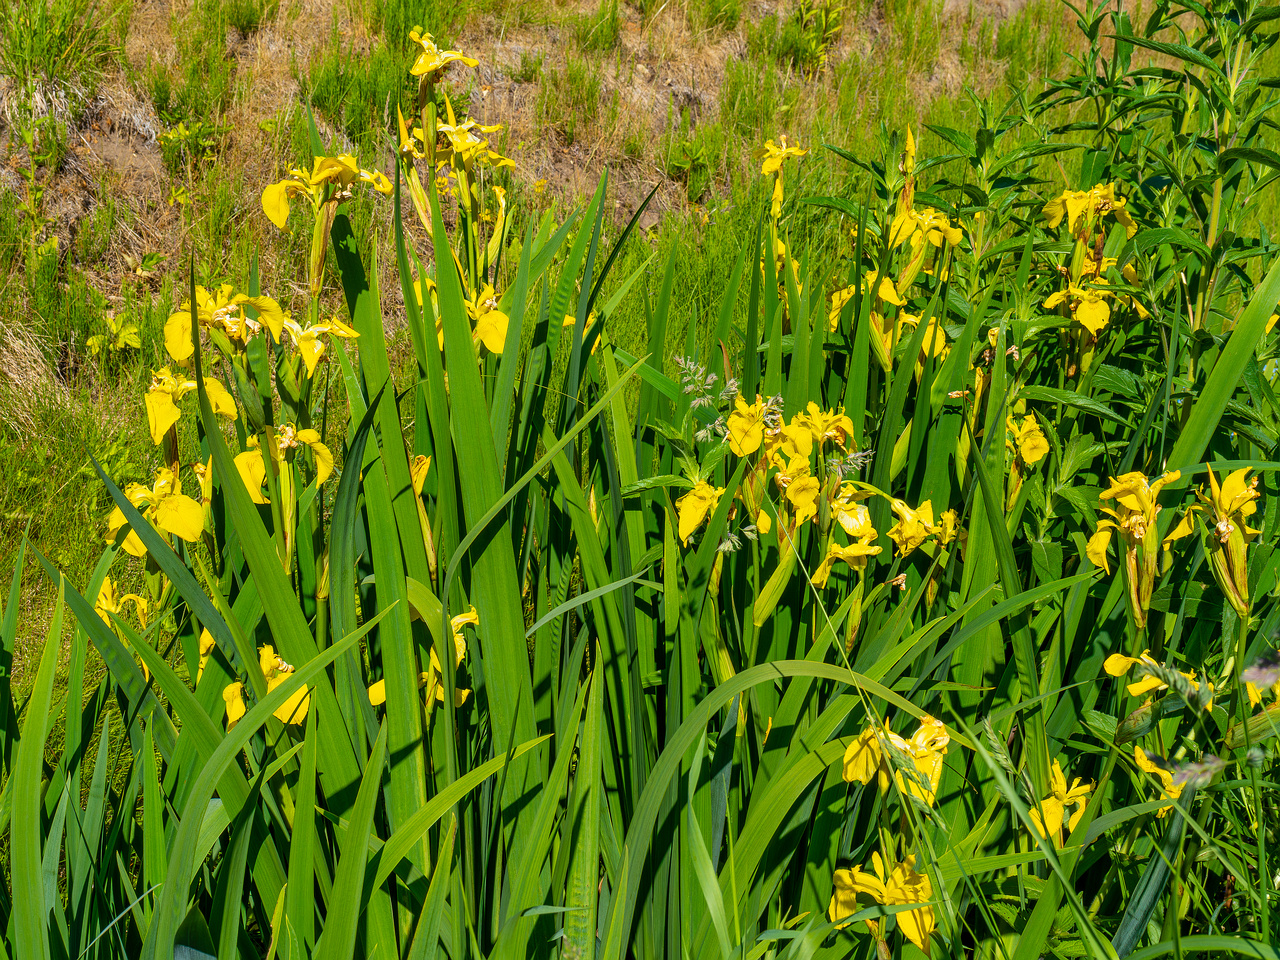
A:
181	516
253	471
1093	314
693	508
162	413
1096	548
224	405
177	336
233	697
491	330
275	204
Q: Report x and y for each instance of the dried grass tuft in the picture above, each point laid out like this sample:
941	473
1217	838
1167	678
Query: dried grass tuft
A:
29	385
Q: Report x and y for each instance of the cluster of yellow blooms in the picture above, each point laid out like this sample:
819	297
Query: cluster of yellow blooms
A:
1226	509
880	754
800	455
1086	295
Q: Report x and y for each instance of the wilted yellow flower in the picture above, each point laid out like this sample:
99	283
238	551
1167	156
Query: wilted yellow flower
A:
693	508
1050	813
164	506
889	885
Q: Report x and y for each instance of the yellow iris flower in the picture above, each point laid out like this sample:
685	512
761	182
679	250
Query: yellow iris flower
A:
855	555
253	469
466	144
330	181
1229	506
746	426
308	341
108	603
165	392
824	426
1082	209
693	508
925	225
890	885
1117	665
1049	814
913	527
867	758
433	679
432	59
1134	518
1168	789
221	309
1087	304
801	490
275	671
164	506
773	155
1027	439
848	511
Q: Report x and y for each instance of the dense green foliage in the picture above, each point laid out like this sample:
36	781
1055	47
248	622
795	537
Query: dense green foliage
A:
883	619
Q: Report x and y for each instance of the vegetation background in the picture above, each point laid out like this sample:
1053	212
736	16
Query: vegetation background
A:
667	541
152	126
